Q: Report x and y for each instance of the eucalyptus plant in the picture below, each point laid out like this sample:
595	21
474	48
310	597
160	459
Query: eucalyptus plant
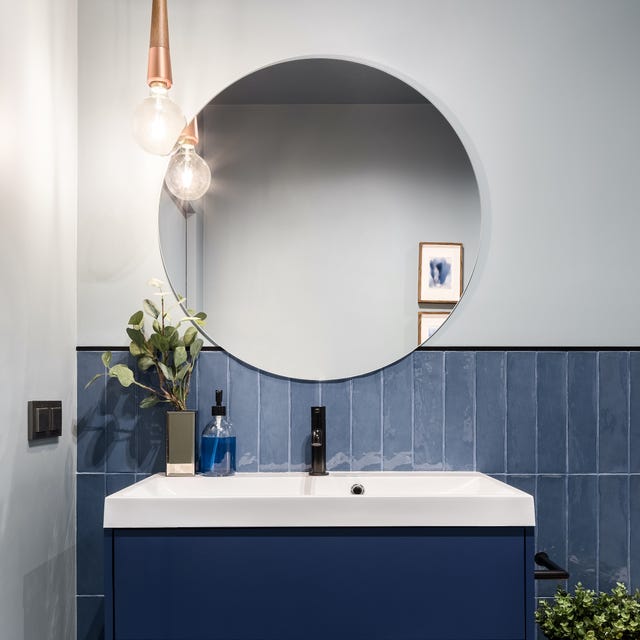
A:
164	350
586	615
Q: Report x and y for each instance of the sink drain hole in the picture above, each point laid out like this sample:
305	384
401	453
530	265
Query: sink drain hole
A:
357	489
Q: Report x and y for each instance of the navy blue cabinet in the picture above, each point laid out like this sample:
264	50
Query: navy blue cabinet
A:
320	584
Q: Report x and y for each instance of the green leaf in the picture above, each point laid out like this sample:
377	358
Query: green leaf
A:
106	359
149	401
156	326
172	335
123	374
145	363
98	375
189	336
179	356
195	347
168	374
136	351
159	342
150	308
183	372
202	316
136	336
136	318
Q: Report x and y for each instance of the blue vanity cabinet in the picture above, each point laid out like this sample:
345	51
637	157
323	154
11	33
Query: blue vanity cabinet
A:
351	583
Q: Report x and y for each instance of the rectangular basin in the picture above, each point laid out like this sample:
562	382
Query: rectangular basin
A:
389	499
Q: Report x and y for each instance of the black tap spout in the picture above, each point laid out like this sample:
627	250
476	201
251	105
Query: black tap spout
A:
318	442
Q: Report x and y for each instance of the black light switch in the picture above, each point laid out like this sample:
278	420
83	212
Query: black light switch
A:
45	419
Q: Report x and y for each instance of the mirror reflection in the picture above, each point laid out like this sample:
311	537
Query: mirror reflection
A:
304	252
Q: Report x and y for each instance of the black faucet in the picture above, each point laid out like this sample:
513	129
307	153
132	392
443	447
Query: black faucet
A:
318	442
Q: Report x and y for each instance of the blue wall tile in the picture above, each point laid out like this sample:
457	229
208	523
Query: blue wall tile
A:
428	410
613	522
244	413
551	534
459	410
91	413
274	423
491	412
613	411
90	491
583	411
521	412
475	407
122	414
634	406
398	416
90	618
551	392
336	397
366	422
582	529
304	395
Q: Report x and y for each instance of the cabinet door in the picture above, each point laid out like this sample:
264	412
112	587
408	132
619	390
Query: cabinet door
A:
320	584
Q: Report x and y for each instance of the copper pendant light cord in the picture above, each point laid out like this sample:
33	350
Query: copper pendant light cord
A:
159	69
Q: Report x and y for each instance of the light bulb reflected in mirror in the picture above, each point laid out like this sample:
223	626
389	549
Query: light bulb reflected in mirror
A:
188	176
157	122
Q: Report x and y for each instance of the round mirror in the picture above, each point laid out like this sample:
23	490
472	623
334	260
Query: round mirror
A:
327	177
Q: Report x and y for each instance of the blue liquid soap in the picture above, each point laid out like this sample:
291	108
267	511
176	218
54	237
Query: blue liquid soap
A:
217	455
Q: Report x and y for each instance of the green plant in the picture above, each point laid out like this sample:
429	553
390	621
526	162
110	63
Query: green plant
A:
163	350
587	615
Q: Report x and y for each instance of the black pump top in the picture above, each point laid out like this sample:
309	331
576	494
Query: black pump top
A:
218	409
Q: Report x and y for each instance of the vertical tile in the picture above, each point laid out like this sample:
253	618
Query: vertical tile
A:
583	411
526	483
491	411
459	410
91	413
582	530
551	392
274	423
90	489
428	410
151	438
634	402
551	508
397	436
336	396
613	418
90	624
634	538
122	415
304	395
243	411
366	422
117	481
613	522
521	412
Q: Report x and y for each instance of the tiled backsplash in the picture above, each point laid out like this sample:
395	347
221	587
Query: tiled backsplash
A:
561	425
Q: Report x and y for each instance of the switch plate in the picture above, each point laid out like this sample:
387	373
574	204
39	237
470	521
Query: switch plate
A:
45	419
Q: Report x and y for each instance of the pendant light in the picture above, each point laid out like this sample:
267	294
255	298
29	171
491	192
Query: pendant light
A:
188	176
157	121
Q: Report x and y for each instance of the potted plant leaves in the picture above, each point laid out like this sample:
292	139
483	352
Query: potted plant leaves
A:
587	615
167	352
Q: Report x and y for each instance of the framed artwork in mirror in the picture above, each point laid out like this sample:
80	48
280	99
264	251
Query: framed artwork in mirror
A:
429	322
440	272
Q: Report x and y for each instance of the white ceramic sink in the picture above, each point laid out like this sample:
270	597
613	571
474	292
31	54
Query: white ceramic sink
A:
390	499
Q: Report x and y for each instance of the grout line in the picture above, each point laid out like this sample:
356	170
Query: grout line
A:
444	410
259	384
535	411
289	423
413	414
351	424
382	419
475	411
566	460
506	412
628	356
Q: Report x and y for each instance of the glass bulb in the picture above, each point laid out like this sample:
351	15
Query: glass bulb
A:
188	176
157	122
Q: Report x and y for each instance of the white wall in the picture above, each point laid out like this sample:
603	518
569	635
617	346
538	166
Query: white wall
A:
38	327
543	93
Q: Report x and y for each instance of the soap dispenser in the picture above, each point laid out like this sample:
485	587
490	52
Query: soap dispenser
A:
218	443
